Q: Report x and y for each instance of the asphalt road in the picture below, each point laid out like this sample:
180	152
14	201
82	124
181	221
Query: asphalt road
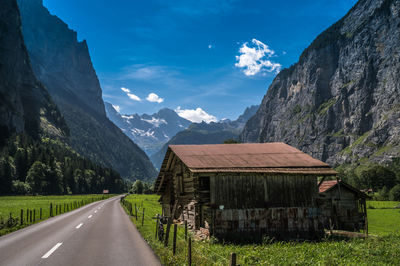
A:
97	234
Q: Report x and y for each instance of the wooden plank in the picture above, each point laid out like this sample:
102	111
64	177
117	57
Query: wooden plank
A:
212	189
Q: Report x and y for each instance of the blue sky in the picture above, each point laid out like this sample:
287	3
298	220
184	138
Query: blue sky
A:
207	59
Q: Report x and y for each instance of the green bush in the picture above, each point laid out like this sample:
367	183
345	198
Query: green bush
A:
394	193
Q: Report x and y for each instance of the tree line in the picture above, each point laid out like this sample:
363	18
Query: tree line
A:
48	166
383	180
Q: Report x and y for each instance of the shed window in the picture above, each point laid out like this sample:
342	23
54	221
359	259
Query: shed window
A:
204	183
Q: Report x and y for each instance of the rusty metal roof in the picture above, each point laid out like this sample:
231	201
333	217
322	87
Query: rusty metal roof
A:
329	184
326	185
276	157
250	155
298	171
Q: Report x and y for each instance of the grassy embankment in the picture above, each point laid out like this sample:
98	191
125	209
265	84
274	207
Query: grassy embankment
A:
13	205
379	251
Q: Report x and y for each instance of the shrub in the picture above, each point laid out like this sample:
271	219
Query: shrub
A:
394	193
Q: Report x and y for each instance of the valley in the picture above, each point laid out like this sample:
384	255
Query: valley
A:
199	133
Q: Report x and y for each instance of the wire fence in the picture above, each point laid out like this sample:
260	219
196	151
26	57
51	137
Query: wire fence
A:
189	251
28	216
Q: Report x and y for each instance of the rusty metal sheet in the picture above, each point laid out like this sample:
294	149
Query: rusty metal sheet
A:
295	171
249	155
275	158
325	185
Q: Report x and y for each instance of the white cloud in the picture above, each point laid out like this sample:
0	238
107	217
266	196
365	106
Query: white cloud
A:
154	98
125	90
256	59
131	95
134	97
210	46
195	115
117	108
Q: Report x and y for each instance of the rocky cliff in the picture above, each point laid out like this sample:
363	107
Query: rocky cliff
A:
64	66
149	132
340	102
25	105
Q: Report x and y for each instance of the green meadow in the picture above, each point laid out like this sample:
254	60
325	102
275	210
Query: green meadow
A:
33	206
381	250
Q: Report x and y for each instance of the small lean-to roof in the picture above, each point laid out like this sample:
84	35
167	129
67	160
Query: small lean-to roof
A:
275	157
326	185
330	184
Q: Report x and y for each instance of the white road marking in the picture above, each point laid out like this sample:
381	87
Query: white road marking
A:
79	225
90	216
45	256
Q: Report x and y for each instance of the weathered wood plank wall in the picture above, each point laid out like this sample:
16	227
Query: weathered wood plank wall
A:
242	190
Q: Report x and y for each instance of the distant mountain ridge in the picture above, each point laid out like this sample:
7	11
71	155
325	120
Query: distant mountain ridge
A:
150	132
207	133
64	66
340	102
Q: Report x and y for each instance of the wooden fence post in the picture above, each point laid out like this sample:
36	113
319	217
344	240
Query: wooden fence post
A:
185	230
27	215
30	216
233	259
158	217
143	217
34	215
174	240
56	207
51	209
64	207
136	211
22	216
190	252
167	232
40	213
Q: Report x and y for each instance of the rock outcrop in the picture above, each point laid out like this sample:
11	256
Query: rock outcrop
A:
25	105
341	102
64	66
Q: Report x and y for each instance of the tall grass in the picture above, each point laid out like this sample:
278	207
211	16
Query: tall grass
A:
11	206
373	251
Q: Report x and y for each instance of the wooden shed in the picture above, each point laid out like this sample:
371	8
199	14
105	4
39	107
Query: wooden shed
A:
237	190
344	206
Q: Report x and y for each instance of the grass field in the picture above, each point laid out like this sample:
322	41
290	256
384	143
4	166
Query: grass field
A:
374	251
383	217
12	206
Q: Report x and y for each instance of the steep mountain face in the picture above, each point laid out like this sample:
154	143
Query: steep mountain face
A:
340	102
203	133
149	132
63	64
25	105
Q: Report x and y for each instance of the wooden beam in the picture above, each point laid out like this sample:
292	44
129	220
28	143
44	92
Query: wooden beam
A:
322	180
165	177
171	156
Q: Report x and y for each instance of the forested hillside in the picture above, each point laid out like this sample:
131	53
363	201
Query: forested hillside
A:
48	166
